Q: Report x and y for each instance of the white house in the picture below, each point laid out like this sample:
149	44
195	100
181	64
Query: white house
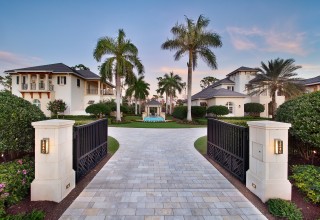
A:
77	88
231	92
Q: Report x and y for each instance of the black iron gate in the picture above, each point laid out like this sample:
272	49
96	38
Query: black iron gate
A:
228	145
89	146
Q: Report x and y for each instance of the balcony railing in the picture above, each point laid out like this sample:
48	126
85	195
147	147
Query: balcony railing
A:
92	91
24	86
42	86
51	87
106	92
33	86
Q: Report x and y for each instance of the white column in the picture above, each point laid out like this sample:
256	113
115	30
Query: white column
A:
54	176
267	176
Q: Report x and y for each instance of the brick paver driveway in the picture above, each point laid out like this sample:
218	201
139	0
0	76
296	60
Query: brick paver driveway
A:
157	174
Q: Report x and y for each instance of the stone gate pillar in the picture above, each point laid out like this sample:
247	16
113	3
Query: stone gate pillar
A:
54	175
267	176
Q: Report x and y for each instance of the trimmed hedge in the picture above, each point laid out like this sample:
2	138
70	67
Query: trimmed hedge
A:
253	108
303	113
218	110
98	110
284	209
16	131
181	112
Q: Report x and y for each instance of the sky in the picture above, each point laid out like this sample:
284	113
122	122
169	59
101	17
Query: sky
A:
43	32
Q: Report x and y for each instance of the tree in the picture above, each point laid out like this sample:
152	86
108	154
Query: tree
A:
80	67
194	40
6	81
121	62
277	76
207	81
138	88
169	84
57	106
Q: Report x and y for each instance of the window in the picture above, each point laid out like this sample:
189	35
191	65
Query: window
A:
78	82
37	103
230	88
203	104
17	80
91	102
229	105
61	80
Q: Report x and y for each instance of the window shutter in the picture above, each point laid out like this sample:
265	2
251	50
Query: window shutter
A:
17	80
65	80
58	80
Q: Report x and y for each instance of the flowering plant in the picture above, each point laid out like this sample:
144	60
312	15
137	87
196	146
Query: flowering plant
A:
15	179
57	106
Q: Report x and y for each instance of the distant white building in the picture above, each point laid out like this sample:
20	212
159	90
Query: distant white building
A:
231	92
77	88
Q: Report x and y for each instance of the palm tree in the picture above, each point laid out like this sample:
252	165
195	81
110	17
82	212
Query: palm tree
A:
194	40
123	59
275	77
169	84
138	88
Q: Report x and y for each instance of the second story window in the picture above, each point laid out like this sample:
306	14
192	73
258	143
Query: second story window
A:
78	82
61	80
230	88
18	80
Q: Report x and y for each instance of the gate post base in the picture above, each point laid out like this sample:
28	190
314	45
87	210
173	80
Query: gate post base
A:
54	174
52	190
270	189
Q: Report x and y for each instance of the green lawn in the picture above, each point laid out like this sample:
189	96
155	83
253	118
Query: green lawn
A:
113	145
137	124
201	144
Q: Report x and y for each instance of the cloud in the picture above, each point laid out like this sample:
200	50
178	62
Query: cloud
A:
10	60
273	40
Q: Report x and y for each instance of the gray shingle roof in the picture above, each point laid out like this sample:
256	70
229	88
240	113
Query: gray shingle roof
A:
243	68
56	67
153	102
222	81
59	68
312	81
210	92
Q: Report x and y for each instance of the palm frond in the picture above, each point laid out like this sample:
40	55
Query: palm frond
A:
104	46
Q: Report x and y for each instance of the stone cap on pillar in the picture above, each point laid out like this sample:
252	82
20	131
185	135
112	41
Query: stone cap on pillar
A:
269	124
53	123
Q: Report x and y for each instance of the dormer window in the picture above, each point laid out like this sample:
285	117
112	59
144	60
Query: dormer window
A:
231	88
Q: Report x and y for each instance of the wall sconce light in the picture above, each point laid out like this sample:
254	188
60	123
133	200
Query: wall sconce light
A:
44	147
239	106
278	146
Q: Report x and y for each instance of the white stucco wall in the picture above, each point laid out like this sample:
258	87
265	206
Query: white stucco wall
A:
16	87
238	104
241	79
77	93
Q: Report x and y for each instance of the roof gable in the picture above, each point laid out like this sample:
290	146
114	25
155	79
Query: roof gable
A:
153	102
243	69
222	81
211	93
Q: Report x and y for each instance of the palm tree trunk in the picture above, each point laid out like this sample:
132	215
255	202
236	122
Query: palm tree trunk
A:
274	104
118	97
139	106
135	107
189	118
171	98
166	103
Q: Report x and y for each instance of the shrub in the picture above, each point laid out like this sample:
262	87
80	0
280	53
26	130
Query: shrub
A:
304	115
180	112
56	106
98	110
253	108
34	215
218	110
198	111
307	179
284	209
16	131
15	179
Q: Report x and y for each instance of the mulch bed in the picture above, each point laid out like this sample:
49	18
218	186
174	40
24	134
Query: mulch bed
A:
55	210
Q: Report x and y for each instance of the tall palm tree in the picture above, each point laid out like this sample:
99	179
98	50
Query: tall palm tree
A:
277	76
121	62
169	84
139	89
192	39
